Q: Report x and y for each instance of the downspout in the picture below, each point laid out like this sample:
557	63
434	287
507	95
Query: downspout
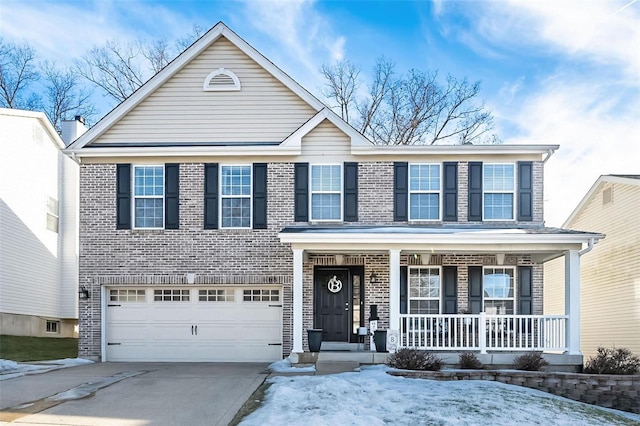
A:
550	152
592	242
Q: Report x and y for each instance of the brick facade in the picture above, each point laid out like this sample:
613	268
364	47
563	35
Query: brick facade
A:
243	257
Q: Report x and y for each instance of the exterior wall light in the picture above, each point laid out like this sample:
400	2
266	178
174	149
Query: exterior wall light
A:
373	278
83	293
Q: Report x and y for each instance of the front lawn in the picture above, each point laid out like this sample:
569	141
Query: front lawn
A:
21	348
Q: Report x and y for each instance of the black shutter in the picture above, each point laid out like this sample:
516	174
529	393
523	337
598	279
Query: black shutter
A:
404	290
475	191
450	192
301	191
171	196
350	192
475	289
525	190
260	196
450	281
525	291
211	196
400	192
123	196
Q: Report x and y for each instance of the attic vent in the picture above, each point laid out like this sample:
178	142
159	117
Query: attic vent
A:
221	80
607	195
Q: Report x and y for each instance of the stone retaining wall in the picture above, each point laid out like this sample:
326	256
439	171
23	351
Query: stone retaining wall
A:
619	392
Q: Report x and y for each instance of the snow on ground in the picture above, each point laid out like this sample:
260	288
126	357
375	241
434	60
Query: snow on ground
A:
372	397
284	366
10	369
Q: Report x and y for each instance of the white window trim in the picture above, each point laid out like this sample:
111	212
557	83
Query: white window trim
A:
134	196
311	192
514	192
250	196
409	298
515	288
439	192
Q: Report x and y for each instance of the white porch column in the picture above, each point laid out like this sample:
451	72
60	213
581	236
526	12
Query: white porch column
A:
394	289
297	299
572	299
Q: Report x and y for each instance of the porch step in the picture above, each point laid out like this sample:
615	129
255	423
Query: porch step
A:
334	367
364	357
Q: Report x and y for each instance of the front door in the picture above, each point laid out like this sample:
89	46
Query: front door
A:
333	288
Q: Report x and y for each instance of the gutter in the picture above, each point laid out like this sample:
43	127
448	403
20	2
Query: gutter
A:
590	245
550	152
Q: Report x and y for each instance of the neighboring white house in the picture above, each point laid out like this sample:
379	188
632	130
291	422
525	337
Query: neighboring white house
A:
38	226
610	273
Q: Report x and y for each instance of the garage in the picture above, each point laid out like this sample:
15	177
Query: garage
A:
162	324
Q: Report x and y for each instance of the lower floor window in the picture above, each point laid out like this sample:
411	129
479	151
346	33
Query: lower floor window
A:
499	290
424	291
53	326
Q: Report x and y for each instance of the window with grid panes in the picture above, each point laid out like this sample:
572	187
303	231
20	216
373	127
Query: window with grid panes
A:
424	191
235	199
148	196
498	185
424	291
326	192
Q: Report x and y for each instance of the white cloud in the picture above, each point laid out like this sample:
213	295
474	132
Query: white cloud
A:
299	30
595	135
65	31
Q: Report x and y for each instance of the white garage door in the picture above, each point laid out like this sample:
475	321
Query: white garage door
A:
194	324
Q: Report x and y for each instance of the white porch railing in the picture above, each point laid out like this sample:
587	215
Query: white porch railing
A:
483	332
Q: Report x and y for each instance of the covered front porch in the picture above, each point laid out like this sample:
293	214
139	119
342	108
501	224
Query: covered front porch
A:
446	308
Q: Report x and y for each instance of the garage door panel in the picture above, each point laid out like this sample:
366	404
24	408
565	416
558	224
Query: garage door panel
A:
229	328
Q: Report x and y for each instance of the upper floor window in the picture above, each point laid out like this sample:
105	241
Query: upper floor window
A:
148	196
499	290
498	186
235	199
424	291
424	191
326	192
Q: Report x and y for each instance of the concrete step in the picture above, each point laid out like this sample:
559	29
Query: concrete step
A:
334	367
359	357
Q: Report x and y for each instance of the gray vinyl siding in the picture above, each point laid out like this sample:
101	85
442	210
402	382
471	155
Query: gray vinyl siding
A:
263	111
326	141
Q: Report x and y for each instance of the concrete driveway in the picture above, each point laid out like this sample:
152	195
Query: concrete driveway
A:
131	394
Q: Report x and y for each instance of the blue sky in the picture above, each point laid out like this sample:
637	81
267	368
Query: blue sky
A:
552	72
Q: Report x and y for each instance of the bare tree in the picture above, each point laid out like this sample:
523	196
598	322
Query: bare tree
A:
341	85
113	68
411	109
119	69
64	96
17	71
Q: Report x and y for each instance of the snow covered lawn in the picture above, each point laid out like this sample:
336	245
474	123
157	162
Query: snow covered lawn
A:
10	369
372	397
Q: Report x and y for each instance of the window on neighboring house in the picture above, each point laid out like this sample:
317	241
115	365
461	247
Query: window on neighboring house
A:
424	291
499	187
53	219
53	326
235	200
499	290
148	196
424	191
326	192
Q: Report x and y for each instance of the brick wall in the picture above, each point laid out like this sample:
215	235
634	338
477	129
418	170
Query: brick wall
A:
223	256
618	392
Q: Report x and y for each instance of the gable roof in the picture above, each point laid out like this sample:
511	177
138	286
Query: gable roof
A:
217	31
40	117
624	179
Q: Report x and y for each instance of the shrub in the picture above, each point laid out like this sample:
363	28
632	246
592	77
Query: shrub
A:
613	361
412	359
532	361
469	361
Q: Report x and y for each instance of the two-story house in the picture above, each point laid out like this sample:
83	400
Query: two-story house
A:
224	210
38	226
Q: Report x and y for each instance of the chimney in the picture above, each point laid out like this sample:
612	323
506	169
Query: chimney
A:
72	129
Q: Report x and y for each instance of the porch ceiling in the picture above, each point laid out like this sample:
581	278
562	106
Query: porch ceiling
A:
543	243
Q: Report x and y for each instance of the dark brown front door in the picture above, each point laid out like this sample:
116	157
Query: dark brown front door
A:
333	289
